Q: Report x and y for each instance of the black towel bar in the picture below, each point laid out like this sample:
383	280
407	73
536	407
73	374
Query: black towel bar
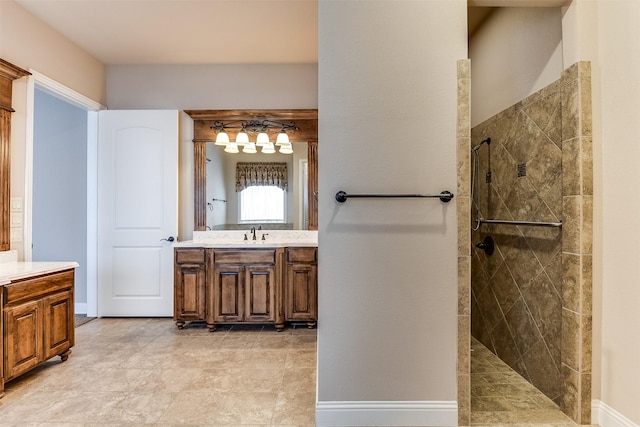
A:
444	196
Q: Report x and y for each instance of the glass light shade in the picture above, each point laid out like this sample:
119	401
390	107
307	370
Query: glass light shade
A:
268	148
286	148
250	148
231	147
222	138
283	138
242	138
262	139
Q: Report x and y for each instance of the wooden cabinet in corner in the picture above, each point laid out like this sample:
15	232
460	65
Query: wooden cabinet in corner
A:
38	316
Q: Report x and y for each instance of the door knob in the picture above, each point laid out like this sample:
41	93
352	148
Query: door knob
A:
169	239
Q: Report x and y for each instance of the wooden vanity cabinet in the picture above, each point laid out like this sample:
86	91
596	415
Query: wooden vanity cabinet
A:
190	285
38	315
245	286
301	288
252	285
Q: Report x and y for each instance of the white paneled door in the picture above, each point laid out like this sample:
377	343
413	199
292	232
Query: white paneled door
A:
137	211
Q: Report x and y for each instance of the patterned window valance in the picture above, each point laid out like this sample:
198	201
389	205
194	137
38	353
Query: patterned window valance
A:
261	173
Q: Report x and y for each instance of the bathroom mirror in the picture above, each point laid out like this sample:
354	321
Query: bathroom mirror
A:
223	201
306	134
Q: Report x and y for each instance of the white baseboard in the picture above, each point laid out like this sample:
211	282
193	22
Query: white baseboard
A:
414	413
80	308
605	416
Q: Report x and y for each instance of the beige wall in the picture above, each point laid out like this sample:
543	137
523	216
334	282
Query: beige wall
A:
516	52
213	86
607	33
29	43
387	268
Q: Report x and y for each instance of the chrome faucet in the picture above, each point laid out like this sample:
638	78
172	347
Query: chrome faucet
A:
253	232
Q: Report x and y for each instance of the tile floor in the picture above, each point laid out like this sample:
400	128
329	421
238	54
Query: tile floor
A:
126	372
501	397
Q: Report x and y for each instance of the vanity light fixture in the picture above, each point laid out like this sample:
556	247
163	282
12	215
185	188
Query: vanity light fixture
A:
260	129
282	139
286	148
268	149
222	138
250	148
242	137
231	147
262	139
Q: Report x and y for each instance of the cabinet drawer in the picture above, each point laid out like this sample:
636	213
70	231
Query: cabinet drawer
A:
190	256
301	255
247	256
38	286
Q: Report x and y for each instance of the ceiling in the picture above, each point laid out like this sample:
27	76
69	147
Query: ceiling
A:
204	31
186	31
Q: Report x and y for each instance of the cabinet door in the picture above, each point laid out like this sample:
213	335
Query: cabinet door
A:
23	338
58	323
2	362
190	292
260	293
228	294
301	292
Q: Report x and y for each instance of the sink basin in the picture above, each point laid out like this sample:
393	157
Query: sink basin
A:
244	243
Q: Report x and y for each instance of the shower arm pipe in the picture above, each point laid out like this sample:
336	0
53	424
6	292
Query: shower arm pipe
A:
485	141
444	196
509	222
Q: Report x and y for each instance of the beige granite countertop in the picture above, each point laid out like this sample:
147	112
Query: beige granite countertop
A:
248	244
12	269
235	239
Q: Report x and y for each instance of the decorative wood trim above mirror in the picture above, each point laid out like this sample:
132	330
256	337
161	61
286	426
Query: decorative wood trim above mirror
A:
305	120
8	73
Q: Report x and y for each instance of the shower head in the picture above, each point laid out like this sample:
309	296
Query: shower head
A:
477	147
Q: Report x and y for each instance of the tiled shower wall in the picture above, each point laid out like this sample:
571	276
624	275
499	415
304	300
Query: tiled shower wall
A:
530	299
517	291
463	145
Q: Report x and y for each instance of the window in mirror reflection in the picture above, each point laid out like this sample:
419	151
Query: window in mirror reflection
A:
260	203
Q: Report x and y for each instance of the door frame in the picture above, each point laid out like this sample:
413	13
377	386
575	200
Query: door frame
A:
68	95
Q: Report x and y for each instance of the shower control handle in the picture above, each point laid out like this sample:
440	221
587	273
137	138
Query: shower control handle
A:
487	245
